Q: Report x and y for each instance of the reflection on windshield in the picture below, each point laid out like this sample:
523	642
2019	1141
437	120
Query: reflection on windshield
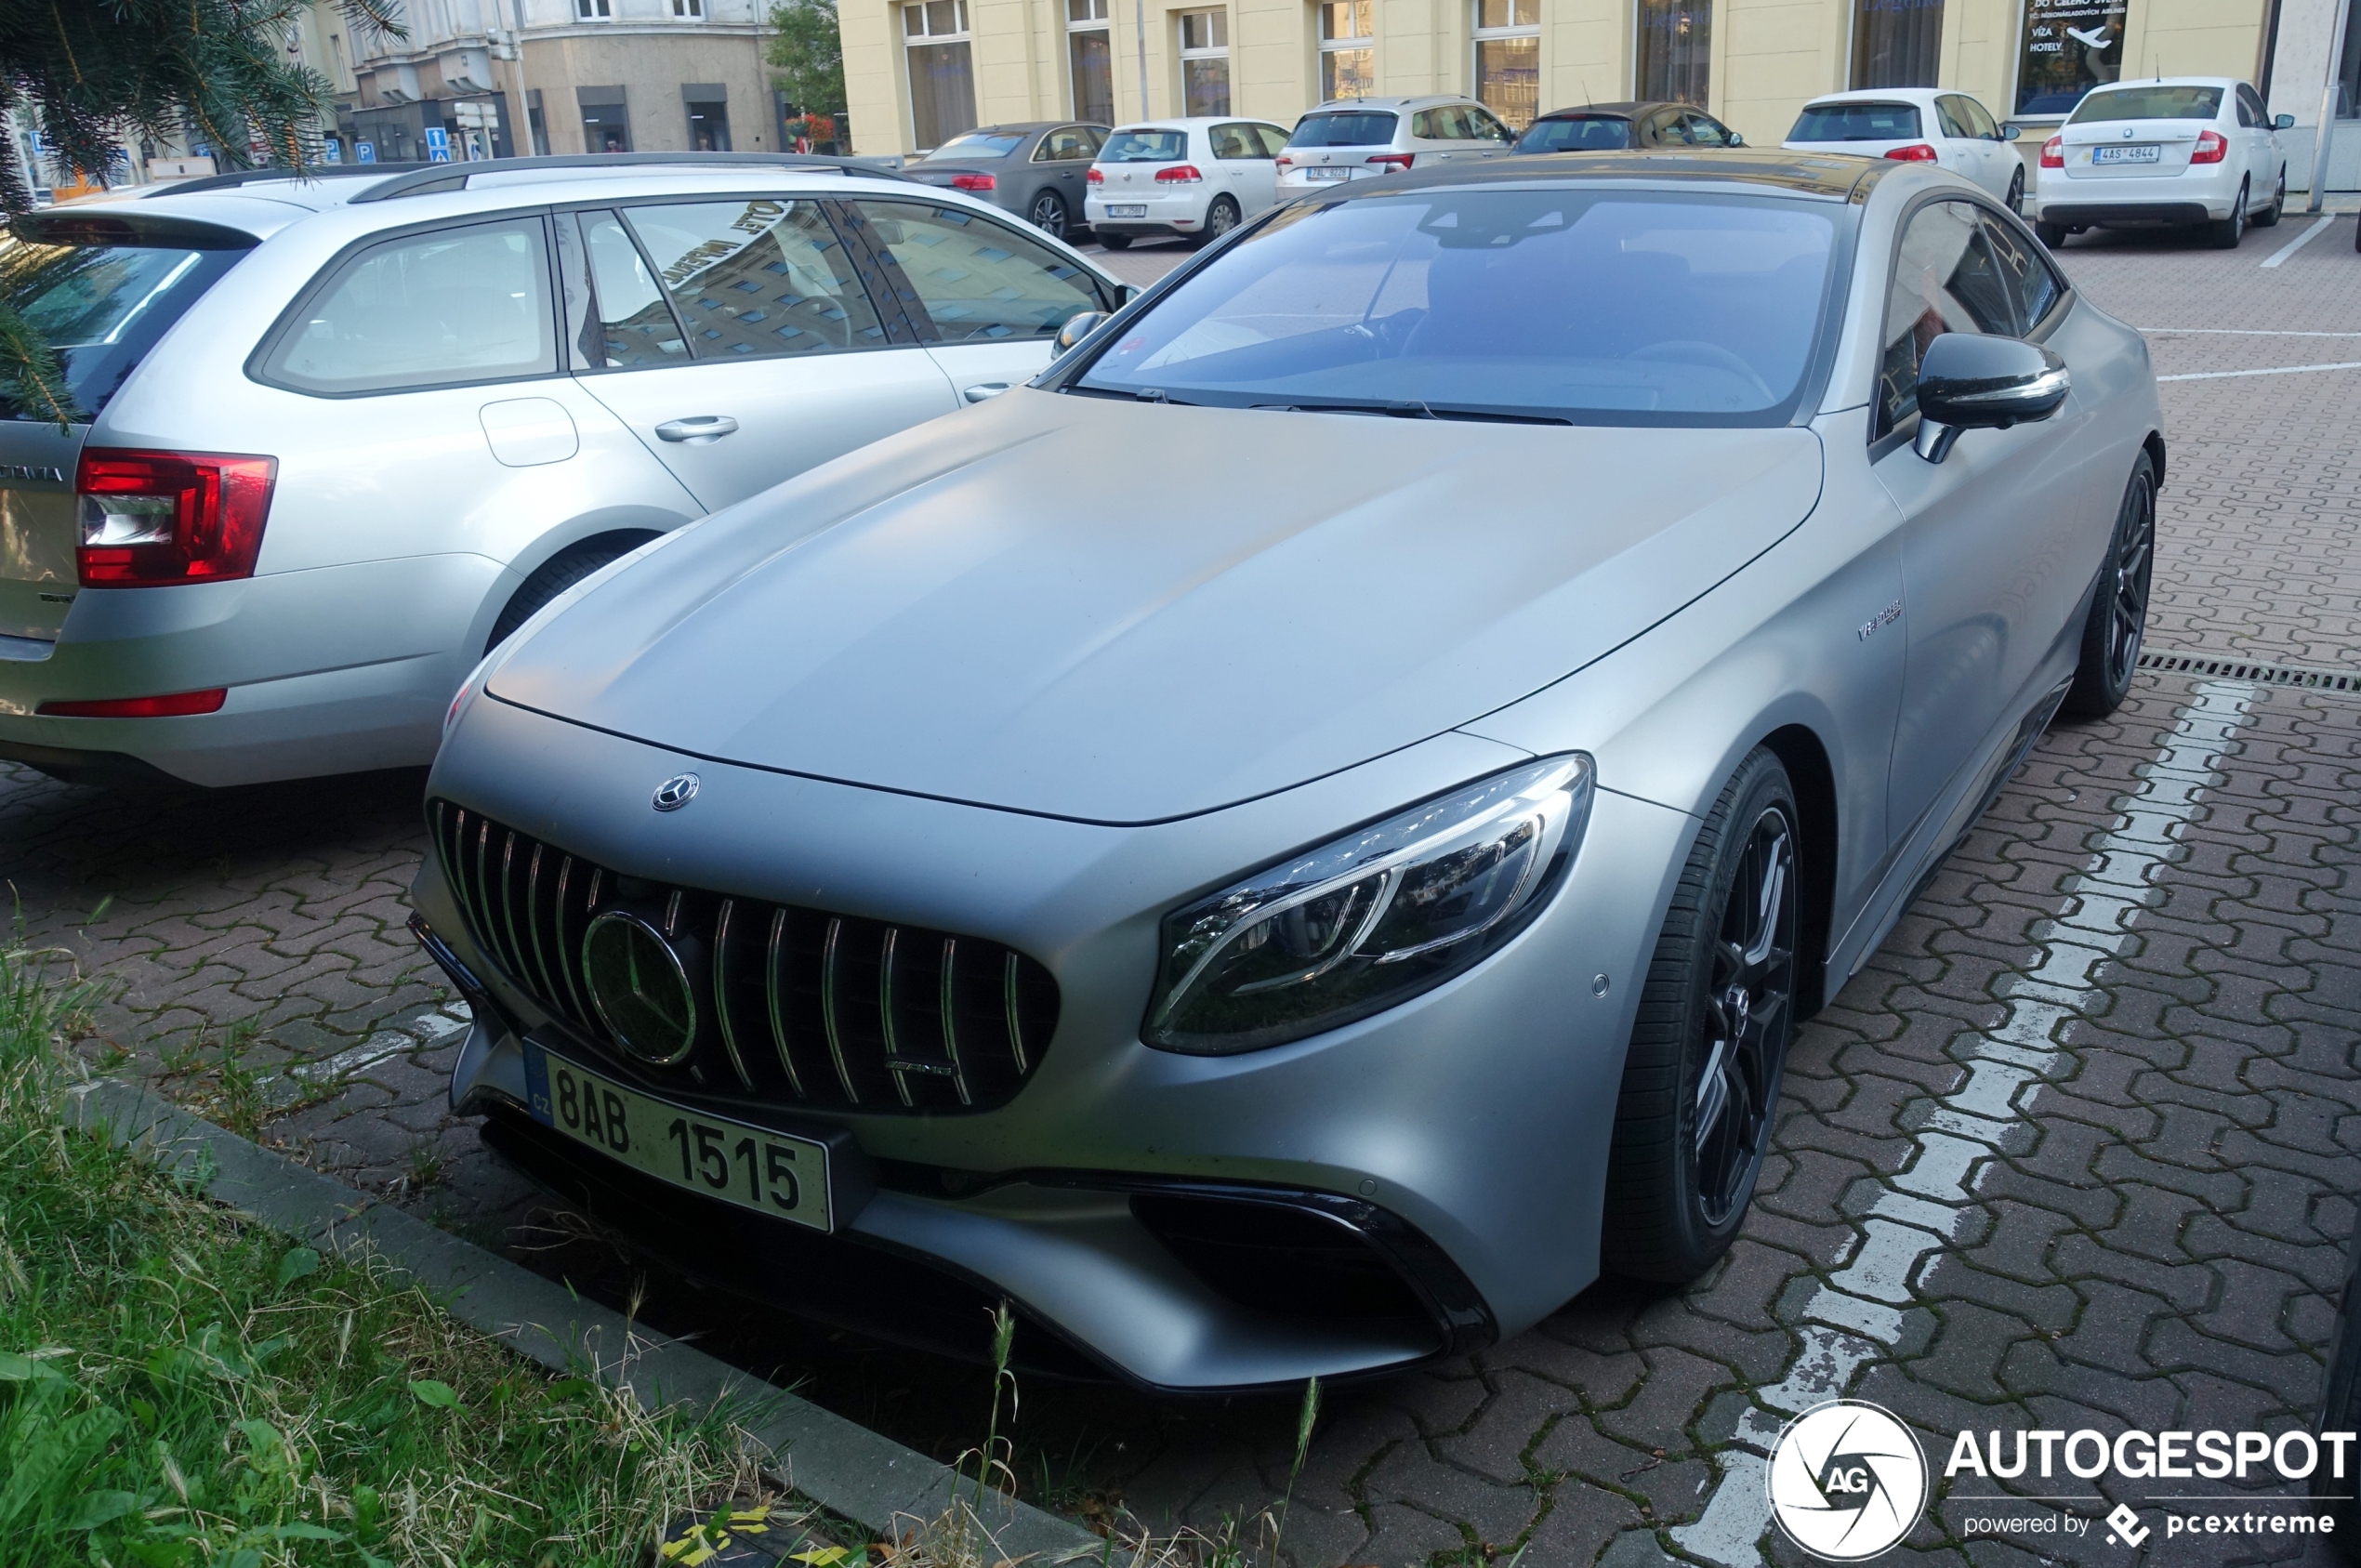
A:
1602	307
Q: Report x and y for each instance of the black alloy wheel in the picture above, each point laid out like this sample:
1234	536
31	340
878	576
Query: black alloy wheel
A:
2119	618
2016	192
1701	1080
1049	214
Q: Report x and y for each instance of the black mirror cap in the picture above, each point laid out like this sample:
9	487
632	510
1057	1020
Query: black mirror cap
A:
1079	326
1970	381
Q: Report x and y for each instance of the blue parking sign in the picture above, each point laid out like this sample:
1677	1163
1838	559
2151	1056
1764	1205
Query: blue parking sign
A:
364	151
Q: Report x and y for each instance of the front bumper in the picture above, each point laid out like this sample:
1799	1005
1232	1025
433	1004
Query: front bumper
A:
1461	1138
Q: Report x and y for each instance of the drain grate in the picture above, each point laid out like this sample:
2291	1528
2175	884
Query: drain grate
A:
2222	667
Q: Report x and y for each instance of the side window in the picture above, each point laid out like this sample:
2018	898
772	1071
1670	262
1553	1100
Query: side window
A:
1424	125
635	326
1483	128
974	280
1979	124
1946	112
1231	142
1067	144
757	278
1704	132
2250	108
1672	130
1275	140
2025	268
1944	280
452	306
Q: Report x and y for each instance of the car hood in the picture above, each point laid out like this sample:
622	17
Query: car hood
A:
1126	612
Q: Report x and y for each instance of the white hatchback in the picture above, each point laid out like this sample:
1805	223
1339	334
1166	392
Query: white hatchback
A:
1915	126
2195	151
1198	179
1358	137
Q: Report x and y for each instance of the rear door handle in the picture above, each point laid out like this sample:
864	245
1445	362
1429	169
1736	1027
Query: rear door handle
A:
986	389
697	431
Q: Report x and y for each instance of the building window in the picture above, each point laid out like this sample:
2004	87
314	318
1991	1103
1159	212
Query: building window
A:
606	125
708	106
2069	48
1507	58
536	124
1897	43
1090	58
1675	50
594	10
943	84
1348	49
1204	62
692	10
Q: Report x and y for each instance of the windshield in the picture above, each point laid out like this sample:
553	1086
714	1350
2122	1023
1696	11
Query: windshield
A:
1145	147
1360	127
977	144
1615	307
102	306
1857	122
2152	102
1586	133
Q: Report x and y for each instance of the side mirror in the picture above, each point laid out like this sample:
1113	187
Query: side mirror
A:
1737	140
2283	123
1132	292
1968	382
1077	327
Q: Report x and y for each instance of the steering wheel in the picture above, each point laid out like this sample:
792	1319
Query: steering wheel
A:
1691	350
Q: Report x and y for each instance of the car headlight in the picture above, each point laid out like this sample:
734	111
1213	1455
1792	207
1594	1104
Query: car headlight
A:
1369	920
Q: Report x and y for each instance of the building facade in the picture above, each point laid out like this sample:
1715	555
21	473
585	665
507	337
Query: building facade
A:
919	71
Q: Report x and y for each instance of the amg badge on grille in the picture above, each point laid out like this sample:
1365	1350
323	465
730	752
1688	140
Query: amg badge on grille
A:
676	792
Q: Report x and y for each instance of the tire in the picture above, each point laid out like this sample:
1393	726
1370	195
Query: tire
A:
2052	234
2119	616
1717	1010
1049	214
1219	218
554	576
2278	205
2015	200
2226	232
1116	241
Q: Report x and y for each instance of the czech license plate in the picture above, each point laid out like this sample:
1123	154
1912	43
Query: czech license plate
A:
772	1172
2140	154
1137	209
1327	174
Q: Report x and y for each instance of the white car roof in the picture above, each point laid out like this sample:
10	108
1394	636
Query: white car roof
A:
1192	123
1429	101
2169	82
1923	97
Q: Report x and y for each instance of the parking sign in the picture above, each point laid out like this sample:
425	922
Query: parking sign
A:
438	145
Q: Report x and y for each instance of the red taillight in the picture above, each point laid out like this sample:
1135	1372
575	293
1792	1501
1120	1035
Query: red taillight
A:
1395	159
974	182
2212	146
1096	175
1917	153
170	517
2053	152
1179	174
1285	161
141	707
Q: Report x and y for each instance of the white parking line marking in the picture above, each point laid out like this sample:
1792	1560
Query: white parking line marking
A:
1856	1315
2276	370
2297	243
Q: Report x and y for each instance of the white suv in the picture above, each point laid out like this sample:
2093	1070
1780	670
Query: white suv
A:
2195	152
1360	138
345	434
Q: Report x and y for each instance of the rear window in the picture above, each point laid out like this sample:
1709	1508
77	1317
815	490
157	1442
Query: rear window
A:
1145	147
101	305
979	144
1857	122
2155	101
1361	128
1588	133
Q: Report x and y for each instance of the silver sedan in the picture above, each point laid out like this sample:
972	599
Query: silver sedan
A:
1320	913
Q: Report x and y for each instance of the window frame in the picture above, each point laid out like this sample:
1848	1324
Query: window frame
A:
291	318
1511	32
1356	43
1186	55
593	10
1101	21
962	35
905	294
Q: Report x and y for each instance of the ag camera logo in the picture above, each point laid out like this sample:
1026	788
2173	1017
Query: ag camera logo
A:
1847	1481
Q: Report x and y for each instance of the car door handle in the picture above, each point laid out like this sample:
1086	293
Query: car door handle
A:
984	390
698	429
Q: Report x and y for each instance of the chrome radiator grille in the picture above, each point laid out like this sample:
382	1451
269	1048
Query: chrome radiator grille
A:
791	1006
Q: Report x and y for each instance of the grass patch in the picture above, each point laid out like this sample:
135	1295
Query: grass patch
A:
180	1389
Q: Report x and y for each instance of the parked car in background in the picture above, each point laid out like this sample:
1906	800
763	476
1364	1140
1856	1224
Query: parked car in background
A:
1033	169
1615	127
1920	125
344	434
2198	153
1360	138
1314	917
1198	179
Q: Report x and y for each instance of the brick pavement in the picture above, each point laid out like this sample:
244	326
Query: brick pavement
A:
2073	1150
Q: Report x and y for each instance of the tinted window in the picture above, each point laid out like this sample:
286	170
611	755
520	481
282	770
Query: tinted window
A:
1360	127
1857	122
757	278
1954	124
456	305
1066	145
977	144
2154	101
101	306
1145	147
1273	139
2022	266
1235	142
635	325
1588	133
1944	280
974	279
1599	307
1978	121
1481	126
1705	132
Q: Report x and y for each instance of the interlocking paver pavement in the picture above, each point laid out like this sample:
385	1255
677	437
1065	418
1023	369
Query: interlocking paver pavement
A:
2075	1149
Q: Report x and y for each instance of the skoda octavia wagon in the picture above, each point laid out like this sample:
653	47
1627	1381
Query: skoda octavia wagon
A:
1321	932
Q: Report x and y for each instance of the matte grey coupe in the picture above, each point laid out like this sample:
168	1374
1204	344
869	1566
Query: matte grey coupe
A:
1318	914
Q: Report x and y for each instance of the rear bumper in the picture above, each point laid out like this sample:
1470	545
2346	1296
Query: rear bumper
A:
2128	214
2197	194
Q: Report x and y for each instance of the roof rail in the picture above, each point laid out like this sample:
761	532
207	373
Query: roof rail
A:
432	177
253	177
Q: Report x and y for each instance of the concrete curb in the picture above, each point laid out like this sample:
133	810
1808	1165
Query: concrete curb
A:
839	1465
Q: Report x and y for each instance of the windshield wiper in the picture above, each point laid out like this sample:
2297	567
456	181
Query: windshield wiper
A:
1417	409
